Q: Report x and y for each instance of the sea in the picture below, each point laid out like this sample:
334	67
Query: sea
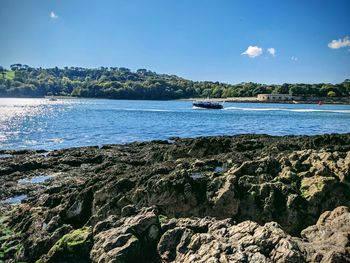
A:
44	124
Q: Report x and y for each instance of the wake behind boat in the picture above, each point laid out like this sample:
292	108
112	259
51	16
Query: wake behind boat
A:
50	98
207	104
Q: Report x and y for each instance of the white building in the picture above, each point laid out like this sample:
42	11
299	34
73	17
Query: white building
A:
276	97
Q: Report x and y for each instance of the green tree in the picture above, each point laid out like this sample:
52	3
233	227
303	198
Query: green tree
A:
331	94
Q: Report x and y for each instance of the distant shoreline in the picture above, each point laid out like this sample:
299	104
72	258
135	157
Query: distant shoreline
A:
343	101
346	101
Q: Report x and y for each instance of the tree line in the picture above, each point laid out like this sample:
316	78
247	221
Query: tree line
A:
122	83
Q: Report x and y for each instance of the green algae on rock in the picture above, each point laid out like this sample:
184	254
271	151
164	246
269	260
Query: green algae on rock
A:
9	244
315	187
71	247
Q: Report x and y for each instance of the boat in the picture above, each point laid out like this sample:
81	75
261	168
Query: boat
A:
50	98
207	104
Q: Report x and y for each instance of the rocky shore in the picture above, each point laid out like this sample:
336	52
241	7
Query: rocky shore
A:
247	198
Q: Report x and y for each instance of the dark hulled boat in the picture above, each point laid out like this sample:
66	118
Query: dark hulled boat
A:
207	104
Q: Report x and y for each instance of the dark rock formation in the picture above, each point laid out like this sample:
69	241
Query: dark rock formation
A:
248	198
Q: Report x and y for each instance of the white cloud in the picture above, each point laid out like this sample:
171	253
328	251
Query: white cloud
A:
294	58
335	44
53	15
271	51
253	51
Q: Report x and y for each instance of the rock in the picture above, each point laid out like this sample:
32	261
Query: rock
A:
72	247
200	187
128	210
80	211
130	239
316	187
225	242
9	245
169	242
225	202
329	239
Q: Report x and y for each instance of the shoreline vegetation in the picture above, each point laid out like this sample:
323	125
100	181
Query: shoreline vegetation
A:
122	83
255	198
323	100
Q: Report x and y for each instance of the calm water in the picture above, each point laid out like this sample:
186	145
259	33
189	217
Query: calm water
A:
43	124
15	199
34	180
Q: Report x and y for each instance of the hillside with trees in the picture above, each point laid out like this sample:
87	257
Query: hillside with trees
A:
122	83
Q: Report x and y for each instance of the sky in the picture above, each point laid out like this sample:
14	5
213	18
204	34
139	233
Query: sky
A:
231	41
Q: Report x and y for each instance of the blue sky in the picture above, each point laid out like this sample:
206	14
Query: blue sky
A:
195	39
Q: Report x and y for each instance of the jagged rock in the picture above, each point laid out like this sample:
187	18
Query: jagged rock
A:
80	211
128	210
290	180
8	242
72	247
329	239
316	187
130	239
225	202
224	242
